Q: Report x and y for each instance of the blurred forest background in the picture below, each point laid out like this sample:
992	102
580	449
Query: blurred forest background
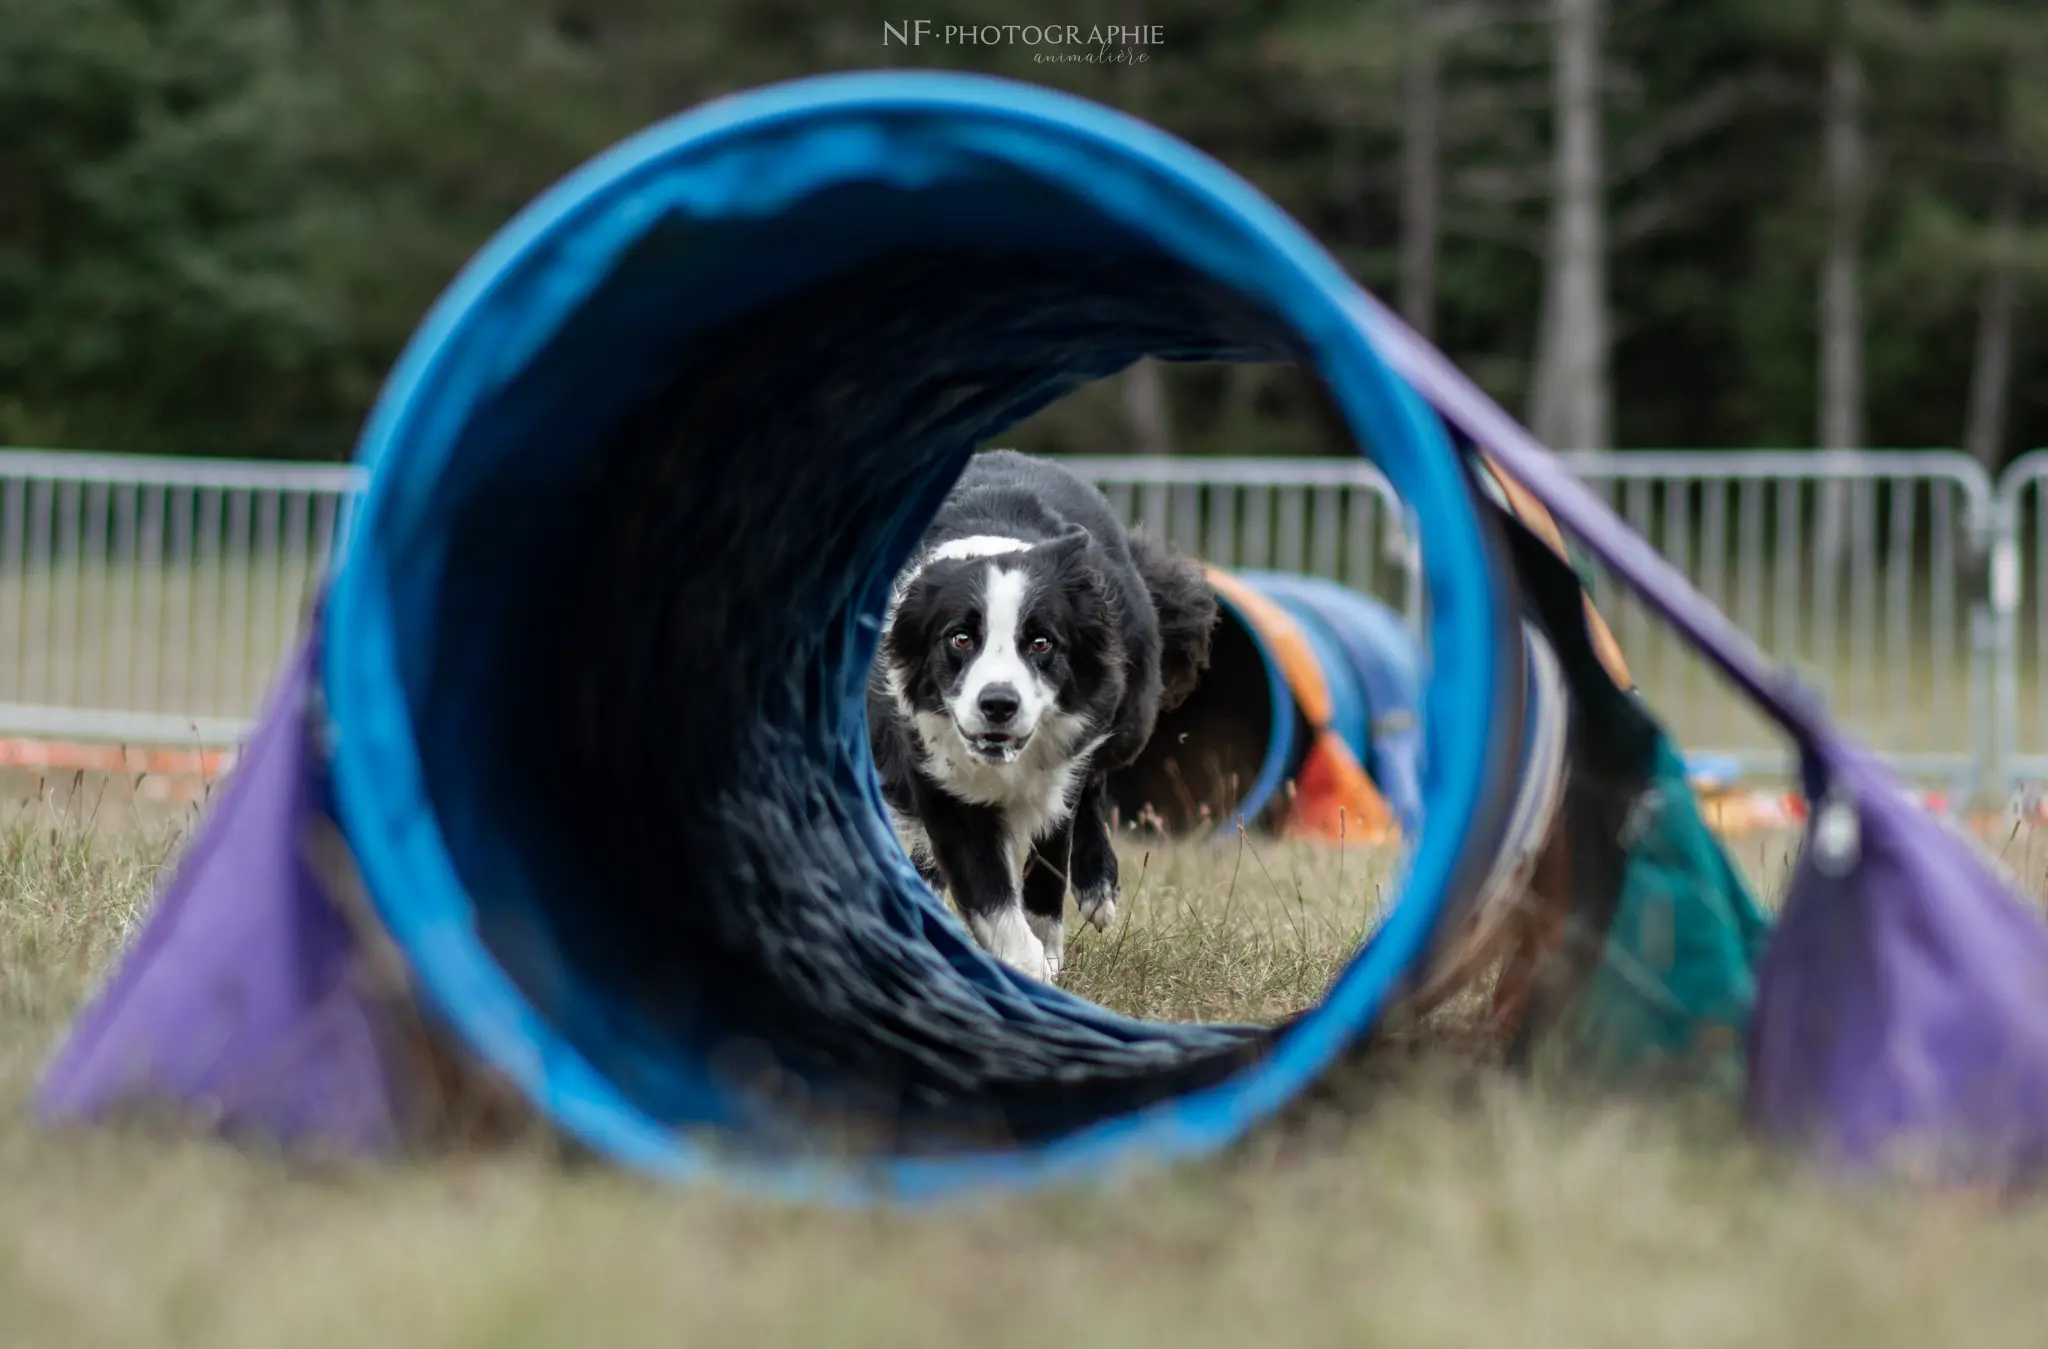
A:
1640	223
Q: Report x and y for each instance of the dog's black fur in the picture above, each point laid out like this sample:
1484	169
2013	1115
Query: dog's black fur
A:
1006	824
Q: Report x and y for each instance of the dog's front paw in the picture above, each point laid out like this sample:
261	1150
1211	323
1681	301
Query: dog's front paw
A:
1009	938
1052	935
1098	906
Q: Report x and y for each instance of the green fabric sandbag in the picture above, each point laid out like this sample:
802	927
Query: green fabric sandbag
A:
1671	993
1655	973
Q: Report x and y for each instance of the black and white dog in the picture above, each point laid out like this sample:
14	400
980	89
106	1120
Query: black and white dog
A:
1029	648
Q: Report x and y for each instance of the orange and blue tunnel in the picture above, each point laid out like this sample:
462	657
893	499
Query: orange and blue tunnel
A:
1308	720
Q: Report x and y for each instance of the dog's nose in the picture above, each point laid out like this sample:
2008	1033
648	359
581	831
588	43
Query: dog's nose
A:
999	704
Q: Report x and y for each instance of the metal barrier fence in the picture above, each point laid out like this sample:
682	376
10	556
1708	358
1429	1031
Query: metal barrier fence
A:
1855	570
150	599
1335	518
2018	585
1860	572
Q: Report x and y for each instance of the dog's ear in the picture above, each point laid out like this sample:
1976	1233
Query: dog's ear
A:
1073	556
1068	547
1187	617
907	625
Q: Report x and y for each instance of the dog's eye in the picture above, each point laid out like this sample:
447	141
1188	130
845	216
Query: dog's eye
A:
962	641
1038	646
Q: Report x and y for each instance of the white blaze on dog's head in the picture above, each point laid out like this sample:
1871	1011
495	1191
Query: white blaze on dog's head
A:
952	550
977	545
1002	697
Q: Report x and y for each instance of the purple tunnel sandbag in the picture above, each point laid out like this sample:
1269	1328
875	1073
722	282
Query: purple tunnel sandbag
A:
1902	1012
242	999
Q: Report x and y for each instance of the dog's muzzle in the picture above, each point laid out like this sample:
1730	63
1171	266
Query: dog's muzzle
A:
995	747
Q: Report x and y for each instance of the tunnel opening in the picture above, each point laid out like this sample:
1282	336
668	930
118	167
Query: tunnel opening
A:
680	880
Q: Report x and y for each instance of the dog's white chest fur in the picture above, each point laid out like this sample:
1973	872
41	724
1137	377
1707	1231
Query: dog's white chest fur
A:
1034	792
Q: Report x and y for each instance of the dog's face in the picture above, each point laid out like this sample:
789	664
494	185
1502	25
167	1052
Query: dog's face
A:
1003	647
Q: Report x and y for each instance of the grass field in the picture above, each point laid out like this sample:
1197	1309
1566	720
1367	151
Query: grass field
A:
1447	1206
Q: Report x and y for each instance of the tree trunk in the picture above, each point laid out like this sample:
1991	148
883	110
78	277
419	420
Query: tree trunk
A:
1147	414
1841	303
1845	172
1991	368
1421	170
1572	404
1145	409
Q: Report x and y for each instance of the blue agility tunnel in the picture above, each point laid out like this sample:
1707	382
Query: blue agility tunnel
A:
585	700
